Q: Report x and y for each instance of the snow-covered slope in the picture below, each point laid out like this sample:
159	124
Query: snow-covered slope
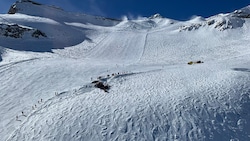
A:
35	9
220	21
52	22
154	94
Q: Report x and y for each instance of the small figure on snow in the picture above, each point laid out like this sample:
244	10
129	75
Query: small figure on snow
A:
17	119
23	114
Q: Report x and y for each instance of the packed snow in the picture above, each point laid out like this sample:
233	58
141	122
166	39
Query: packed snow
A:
48	85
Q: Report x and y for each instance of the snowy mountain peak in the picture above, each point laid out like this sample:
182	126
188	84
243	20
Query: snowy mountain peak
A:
155	16
221	22
22	6
32	8
50	25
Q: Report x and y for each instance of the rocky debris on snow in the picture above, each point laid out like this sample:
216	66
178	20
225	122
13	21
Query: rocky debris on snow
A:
242	13
16	31
38	33
223	24
195	62
190	27
217	23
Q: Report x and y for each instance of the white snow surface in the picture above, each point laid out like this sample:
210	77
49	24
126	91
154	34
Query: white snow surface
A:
49	96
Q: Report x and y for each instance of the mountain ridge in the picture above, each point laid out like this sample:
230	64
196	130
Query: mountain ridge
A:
71	23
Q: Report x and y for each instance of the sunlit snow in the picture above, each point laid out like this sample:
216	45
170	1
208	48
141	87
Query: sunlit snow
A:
47	92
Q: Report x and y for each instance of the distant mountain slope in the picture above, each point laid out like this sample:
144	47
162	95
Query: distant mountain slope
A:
32	8
65	29
49	21
221	22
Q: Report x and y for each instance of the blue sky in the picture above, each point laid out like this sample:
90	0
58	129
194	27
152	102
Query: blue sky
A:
174	9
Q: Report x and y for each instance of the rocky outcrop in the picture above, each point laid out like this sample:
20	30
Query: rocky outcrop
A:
242	13
221	21
191	27
13	8
218	22
37	33
16	31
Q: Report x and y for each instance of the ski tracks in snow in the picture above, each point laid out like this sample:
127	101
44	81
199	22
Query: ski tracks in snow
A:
5	67
120	50
163	109
40	113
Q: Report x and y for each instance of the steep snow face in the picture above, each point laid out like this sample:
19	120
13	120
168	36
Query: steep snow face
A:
154	93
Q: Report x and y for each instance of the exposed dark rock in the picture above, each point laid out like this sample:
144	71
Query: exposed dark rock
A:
191	27
220	24
241	14
37	33
13	9
16	31
210	22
